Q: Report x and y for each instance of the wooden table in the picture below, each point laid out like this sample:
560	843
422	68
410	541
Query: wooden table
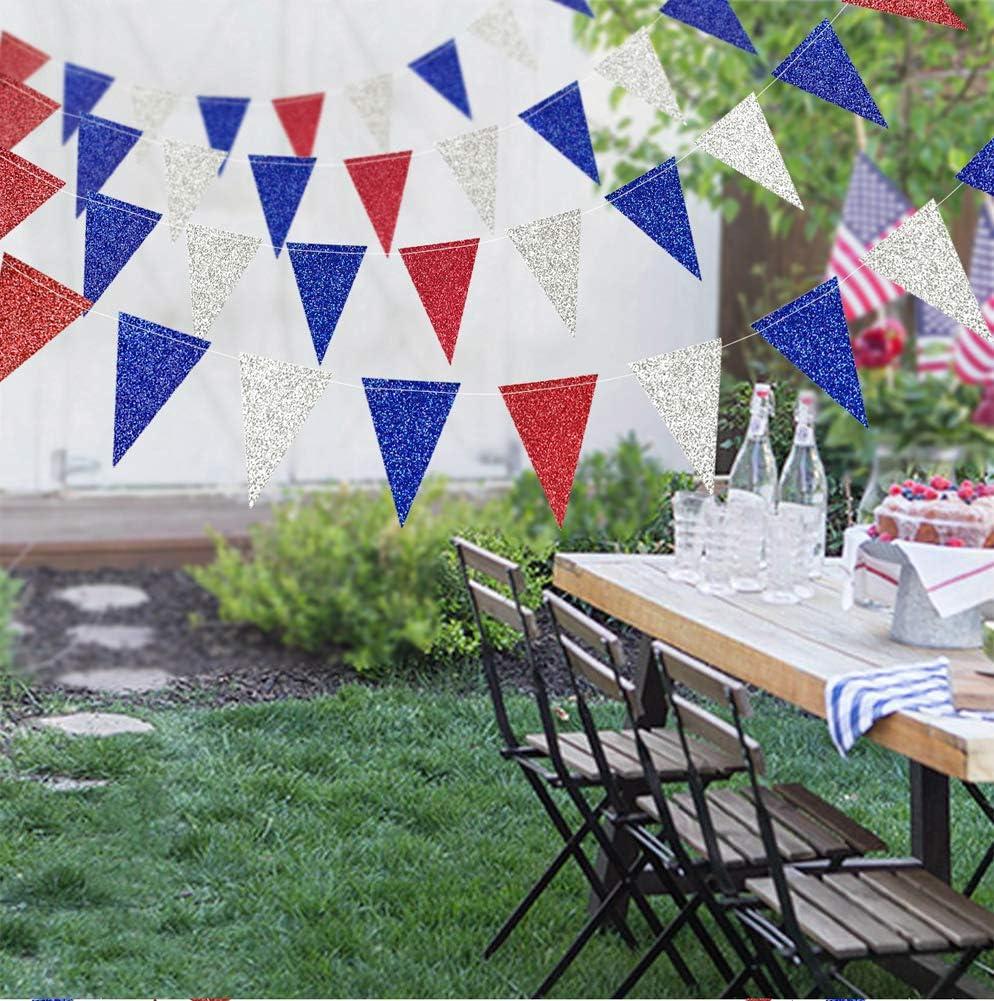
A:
791	651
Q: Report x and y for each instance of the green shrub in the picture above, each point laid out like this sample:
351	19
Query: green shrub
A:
9	588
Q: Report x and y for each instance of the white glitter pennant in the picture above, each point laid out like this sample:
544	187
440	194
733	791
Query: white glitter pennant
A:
499	27
217	260
684	387
551	249
276	400
743	140
373	99
920	257
189	170
152	107
473	159
635	66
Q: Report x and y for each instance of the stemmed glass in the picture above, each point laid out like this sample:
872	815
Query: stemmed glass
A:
688	536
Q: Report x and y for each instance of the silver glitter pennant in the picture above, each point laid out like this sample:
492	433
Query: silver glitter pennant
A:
498	26
373	99
473	159
920	257
551	249
189	169
743	140
152	107
635	66
217	261
684	387
276	400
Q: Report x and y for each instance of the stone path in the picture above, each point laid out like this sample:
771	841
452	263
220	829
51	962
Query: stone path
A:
94	724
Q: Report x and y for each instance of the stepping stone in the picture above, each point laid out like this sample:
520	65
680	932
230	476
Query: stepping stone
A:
62	783
117	679
20	629
112	637
102	597
95	724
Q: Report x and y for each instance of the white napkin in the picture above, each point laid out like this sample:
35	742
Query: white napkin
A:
954	579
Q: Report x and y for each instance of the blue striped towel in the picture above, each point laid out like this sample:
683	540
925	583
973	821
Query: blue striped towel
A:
854	702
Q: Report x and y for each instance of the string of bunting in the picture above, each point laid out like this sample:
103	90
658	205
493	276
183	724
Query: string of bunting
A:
409	416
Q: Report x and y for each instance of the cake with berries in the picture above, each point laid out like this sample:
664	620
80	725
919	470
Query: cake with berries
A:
937	512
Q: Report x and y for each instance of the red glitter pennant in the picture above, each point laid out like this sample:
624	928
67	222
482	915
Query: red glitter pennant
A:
22	110
934	11
551	418
24	188
380	181
441	273
33	309
18	60
300	116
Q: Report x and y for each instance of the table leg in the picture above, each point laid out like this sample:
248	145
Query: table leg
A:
930	819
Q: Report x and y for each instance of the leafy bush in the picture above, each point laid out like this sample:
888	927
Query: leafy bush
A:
9	588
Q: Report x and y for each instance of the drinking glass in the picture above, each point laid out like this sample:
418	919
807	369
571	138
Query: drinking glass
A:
747	531
688	536
714	522
785	555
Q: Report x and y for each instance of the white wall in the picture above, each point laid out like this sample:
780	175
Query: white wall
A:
634	300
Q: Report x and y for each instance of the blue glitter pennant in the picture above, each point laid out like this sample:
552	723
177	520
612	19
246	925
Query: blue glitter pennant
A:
280	181
222	119
440	69
979	172
408	417
151	363
102	145
561	121
324	273
654	202
713	17
580	6
811	333
81	89
114	231
821	66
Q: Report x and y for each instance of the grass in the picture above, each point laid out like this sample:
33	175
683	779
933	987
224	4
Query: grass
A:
365	844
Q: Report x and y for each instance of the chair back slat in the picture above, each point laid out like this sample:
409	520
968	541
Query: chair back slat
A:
704	679
489	602
486	562
592	670
717	732
575	623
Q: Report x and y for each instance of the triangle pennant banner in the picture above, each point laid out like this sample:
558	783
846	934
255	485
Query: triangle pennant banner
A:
152	361
498	26
23	189
379	182
325	274
101	147
473	159
684	387
277	398
979	172
811	333
920	257
743	141
654	202
33	309
114	231
635	66
373	99
580	6
82	88
22	110
222	119
441	273
441	70
299	117
551	420
152	106
189	170
280	181
713	17
551	249
561	121
18	59
821	66
408	418
216	260
935	11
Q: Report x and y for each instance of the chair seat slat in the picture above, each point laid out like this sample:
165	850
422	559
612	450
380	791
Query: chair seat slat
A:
861	840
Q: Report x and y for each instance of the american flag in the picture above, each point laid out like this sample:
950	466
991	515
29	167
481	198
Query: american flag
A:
935	334
874	208
973	354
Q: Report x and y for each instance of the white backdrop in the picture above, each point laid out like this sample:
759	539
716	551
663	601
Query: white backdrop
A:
634	299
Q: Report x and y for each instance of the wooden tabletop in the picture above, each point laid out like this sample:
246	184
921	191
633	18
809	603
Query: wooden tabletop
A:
789	651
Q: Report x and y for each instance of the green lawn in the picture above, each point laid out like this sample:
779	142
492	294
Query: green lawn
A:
365	844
